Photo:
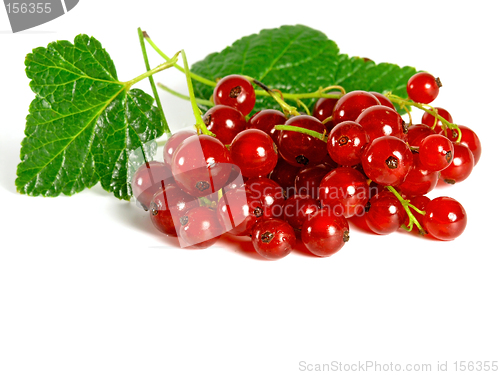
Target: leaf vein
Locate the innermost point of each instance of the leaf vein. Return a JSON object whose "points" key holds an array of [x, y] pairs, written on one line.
{"points": [[287, 47]]}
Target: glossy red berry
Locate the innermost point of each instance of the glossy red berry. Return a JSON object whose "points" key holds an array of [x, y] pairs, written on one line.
{"points": [[416, 133], [469, 138], [419, 180], [430, 120], [235, 180], [346, 142], [238, 211], [266, 120], [173, 142], [298, 208], [344, 191], [168, 206], [273, 238], [200, 228], [325, 233], [387, 160], [445, 218], [201, 165], [308, 180], [383, 99], [385, 213], [423, 87], [284, 174], [323, 108], [254, 152], [270, 194], [235, 91], [435, 152], [301, 149], [460, 167], [350, 106], [225, 122], [379, 120], [148, 179]]}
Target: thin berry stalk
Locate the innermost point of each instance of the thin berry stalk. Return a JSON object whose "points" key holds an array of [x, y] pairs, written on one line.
{"points": [[288, 110], [166, 129], [408, 207], [427, 108], [178, 67], [204, 102], [320, 93], [298, 129], [200, 124]]}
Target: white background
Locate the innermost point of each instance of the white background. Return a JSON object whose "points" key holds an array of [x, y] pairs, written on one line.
{"points": [[87, 286]]}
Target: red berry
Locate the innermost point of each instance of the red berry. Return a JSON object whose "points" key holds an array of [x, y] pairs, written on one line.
{"points": [[225, 122], [266, 120], [284, 174], [235, 180], [350, 106], [430, 120], [238, 211], [324, 233], [345, 191], [201, 165], [445, 218], [385, 213], [423, 87], [269, 192], [273, 238], [387, 160], [418, 181], [346, 142], [168, 206], [298, 208], [378, 120], [461, 166], [469, 138], [383, 99], [308, 180], [435, 152], [235, 91], [323, 108], [254, 152], [148, 179], [200, 228], [416, 133], [173, 142], [300, 149]]}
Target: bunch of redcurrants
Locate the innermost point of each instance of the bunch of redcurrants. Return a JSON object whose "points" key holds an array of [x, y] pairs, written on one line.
{"points": [[281, 179]]}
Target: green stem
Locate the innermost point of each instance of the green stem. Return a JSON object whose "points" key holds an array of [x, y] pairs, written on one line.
{"points": [[166, 129], [309, 95], [329, 118], [304, 107], [298, 129], [427, 108], [205, 202], [149, 73], [407, 205], [194, 76], [287, 109], [208, 82], [204, 102], [200, 124]]}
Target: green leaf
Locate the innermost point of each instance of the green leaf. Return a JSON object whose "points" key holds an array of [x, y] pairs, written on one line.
{"points": [[83, 123], [298, 59]]}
